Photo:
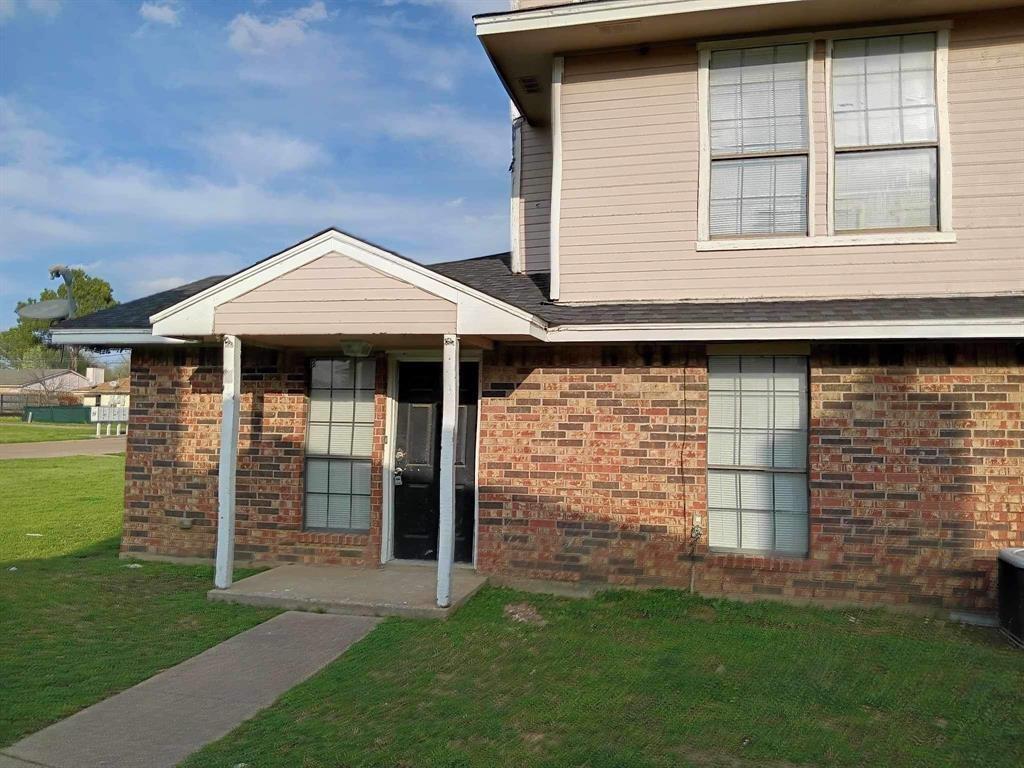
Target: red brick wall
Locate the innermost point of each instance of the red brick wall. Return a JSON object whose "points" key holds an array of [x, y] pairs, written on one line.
{"points": [[592, 470], [172, 454]]}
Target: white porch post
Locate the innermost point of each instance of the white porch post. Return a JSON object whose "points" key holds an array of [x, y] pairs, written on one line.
{"points": [[228, 462], [449, 428]]}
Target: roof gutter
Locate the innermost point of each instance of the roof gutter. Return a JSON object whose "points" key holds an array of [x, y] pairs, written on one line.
{"points": [[847, 330], [111, 337]]}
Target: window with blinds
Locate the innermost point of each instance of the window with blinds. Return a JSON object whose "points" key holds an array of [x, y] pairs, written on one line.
{"points": [[757, 454], [885, 133], [757, 109], [339, 441]]}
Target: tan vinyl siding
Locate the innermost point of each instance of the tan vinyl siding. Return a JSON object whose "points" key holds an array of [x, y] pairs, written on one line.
{"points": [[535, 194], [335, 294], [629, 190]]}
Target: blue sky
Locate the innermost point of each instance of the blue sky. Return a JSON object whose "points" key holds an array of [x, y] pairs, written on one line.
{"points": [[158, 142]]}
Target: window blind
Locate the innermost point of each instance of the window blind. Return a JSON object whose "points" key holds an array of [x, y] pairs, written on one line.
{"points": [[757, 453], [884, 95], [759, 139], [339, 442]]}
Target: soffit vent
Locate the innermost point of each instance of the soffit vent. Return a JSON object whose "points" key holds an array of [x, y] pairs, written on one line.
{"points": [[530, 84]]}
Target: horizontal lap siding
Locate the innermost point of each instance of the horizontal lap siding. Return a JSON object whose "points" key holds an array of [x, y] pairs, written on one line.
{"points": [[335, 294], [535, 195], [629, 184]]}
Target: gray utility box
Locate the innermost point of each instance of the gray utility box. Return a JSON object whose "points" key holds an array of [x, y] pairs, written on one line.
{"points": [[1011, 593]]}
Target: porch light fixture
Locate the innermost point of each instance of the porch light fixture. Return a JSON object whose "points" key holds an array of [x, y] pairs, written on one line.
{"points": [[356, 348]]}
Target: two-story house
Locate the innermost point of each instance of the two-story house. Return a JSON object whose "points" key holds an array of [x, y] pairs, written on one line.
{"points": [[759, 332]]}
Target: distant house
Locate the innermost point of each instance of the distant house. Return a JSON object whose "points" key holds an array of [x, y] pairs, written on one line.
{"points": [[112, 393], [22, 381]]}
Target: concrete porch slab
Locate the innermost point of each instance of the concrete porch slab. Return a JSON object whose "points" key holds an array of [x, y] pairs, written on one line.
{"points": [[407, 590]]}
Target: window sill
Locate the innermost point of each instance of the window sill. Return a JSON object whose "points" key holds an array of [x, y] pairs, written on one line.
{"points": [[826, 241]]}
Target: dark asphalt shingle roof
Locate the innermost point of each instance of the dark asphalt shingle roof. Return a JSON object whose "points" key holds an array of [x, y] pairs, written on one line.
{"points": [[135, 314], [492, 275]]}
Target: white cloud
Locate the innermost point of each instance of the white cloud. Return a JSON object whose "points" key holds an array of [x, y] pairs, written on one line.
{"points": [[255, 36], [49, 200], [486, 142], [49, 9], [20, 136], [261, 156], [437, 66], [160, 13]]}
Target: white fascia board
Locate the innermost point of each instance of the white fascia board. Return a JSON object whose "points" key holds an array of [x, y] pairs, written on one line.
{"points": [[195, 316], [604, 13], [110, 337], [994, 328]]}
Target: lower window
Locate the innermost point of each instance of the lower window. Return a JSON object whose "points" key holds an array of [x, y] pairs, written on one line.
{"points": [[338, 494], [757, 454]]}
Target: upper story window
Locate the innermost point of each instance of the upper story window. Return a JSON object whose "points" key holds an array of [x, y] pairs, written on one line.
{"points": [[885, 133], [879, 135], [759, 141]]}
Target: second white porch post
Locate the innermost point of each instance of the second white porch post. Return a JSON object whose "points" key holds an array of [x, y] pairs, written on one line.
{"points": [[228, 462], [449, 428]]}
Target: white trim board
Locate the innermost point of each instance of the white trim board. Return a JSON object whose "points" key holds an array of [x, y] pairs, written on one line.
{"points": [[555, 206], [995, 328], [111, 337], [478, 313], [825, 241], [607, 12]]}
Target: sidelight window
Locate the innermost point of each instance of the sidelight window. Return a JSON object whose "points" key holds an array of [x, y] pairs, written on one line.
{"points": [[339, 442]]}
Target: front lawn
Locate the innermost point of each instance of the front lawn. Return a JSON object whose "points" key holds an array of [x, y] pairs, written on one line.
{"points": [[76, 623], [14, 430], [649, 679]]}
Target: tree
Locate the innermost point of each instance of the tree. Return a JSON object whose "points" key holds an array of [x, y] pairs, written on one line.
{"points": [[22, 345]]}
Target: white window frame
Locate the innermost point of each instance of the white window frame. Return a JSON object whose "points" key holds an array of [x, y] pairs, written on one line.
{"points": [[945, 232], [704, 51], [770, 470], [329, 457], [944, 193]]}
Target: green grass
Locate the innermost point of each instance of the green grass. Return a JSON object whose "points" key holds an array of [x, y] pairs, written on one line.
{"points": [[649, 679], [76, 624], [14, 430]]}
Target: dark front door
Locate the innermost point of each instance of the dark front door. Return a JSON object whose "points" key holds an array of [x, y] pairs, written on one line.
{"points": [[418, 461]]}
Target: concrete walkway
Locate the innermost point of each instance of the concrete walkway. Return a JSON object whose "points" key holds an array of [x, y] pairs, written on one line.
{"points": [[161, 721], [52, 449]]}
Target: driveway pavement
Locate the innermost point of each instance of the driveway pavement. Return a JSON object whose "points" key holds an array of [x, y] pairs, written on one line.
{"points": [[161, 721], [87, 446]]}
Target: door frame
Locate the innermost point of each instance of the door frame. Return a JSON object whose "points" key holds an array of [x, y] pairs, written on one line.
{"points": [[387, 538]]}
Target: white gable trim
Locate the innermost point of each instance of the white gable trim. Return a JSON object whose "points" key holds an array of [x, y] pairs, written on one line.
{"points": [[477, 312]]}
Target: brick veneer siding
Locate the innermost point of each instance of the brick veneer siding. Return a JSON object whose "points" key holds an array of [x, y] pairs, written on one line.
{"points": [[592, 469], [172, 455]]}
